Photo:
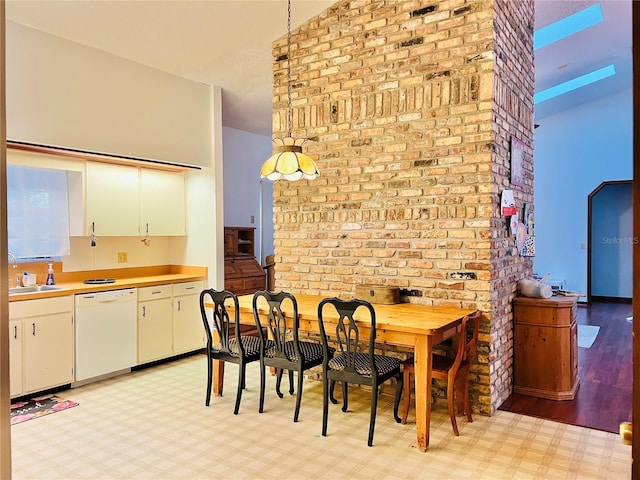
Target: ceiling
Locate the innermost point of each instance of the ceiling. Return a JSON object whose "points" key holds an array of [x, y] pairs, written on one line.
{"points": [[228, 44]]}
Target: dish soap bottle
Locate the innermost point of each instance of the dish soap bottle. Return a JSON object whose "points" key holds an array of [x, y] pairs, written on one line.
{"points": [[50, 279]]}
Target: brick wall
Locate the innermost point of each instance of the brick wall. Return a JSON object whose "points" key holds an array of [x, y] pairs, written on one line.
{"points": [[409, 108]]}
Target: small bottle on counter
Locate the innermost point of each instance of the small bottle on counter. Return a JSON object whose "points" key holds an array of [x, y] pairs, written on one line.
{"points": [[50, 279]]}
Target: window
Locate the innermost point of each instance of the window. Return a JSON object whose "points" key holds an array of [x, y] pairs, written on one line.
{"points": [[37, 211]]}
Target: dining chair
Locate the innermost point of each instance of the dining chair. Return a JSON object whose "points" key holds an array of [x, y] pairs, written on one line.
{"points": [[455, 371], [283, 350], [232, 346], [354, 362]]}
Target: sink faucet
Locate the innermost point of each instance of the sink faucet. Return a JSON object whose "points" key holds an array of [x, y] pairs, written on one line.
{"points": [[14, 260]]}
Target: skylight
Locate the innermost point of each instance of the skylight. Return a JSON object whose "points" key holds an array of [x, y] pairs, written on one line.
{"points": [[575, 83], [567, 26]]}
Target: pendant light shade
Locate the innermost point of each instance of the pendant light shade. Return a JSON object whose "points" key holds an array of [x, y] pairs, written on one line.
{"points": [[288, 162]]}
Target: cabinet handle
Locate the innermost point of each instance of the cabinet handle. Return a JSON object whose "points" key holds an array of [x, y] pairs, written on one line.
{"points": [[178, 305], [156, 292], [15, 332], [190, 288], [33, 329], [144, 311]]}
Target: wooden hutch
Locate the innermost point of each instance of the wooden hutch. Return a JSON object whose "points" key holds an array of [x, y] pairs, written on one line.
{"points": [[546, 347], [242, 272]]}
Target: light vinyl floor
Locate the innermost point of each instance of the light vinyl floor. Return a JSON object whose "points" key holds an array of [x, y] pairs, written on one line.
{"points": [[152, 424]]}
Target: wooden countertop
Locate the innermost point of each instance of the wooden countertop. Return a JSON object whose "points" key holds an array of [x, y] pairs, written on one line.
{"points": [[71, 283]]}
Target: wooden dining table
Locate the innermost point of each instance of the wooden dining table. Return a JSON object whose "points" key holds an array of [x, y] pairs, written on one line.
{"points": [[415, 326]]}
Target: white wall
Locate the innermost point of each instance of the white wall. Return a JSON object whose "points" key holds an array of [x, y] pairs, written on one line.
{"points": [[65, 94], [244, 154], [574, 152]]}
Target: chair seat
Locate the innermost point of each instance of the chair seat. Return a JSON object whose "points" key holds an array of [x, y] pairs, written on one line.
{"points": [[362, 366], [251, 346], [311, 351], [441, 363]]}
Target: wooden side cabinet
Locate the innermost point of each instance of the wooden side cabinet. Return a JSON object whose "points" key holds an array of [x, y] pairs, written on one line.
{"points": [[242, 272], [546, 347]]}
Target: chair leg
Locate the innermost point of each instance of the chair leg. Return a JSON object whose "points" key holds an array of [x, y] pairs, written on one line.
{"points": [[207, 399], [291, 382], [462, 395], [325, 403], [263, 381], [331, 395], [406, 373], [467, 406], [450, 400], [298, 396], [372, 420], [240, 387], [345, 396], [396, 403], [279, 373]]}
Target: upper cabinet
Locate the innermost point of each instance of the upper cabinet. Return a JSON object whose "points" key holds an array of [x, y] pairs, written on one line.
{"points": [[123, 200], [112, 200], [162, 203]]}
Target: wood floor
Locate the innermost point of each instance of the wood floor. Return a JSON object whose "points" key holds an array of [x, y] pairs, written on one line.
{"points": [[604, 397]]}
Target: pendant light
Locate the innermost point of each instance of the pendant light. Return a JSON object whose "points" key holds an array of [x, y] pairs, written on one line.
{"points": [[288, 162]]}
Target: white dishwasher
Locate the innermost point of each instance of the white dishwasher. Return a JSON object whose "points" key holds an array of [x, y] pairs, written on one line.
{"points": [[105, 333]]}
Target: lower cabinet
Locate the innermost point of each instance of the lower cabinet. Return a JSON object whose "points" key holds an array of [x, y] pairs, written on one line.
{"points": [[154, 323], [15, 358], [169, 321], [41, 345], [188, 329]]}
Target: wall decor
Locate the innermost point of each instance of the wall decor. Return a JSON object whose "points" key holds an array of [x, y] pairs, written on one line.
{"points": [[507, 204], [517, 157]]}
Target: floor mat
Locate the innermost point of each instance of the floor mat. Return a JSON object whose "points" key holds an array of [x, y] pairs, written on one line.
{"points": [[38, 407], [587, 335]]}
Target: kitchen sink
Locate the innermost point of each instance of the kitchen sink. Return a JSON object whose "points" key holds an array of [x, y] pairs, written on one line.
{"points": [[33, 289]]}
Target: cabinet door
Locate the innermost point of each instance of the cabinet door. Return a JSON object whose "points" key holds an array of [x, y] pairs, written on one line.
{"points": [[154, 330], [162, 203], [48, 355], [112, 200], [15, 358], [188, 329]]}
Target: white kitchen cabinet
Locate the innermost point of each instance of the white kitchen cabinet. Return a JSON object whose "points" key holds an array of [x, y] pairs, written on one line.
{"points": [[15, 358], [155, 323], [122, 200], [47, 344], [188, 329], [162, 202], [112, 200], [169, 320]]}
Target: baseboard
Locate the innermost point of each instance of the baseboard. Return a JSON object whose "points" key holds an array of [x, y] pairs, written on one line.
{"points": [[597, 298]]}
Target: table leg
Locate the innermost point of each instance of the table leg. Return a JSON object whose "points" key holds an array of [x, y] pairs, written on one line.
{"points": [[218, 377], [218, 370], [422, 367]]}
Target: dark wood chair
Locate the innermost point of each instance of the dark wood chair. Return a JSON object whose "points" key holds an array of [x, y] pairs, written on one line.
{"points": [[353, 362], [455, 371], [233, 346], [285, 351]]}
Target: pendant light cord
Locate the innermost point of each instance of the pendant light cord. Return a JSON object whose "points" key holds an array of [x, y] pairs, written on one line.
{"points": [[290, 111]]}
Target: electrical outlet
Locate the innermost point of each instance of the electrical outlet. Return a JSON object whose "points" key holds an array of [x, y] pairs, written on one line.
{"points": [[122, 257], [410, 293], [253, 219]]}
